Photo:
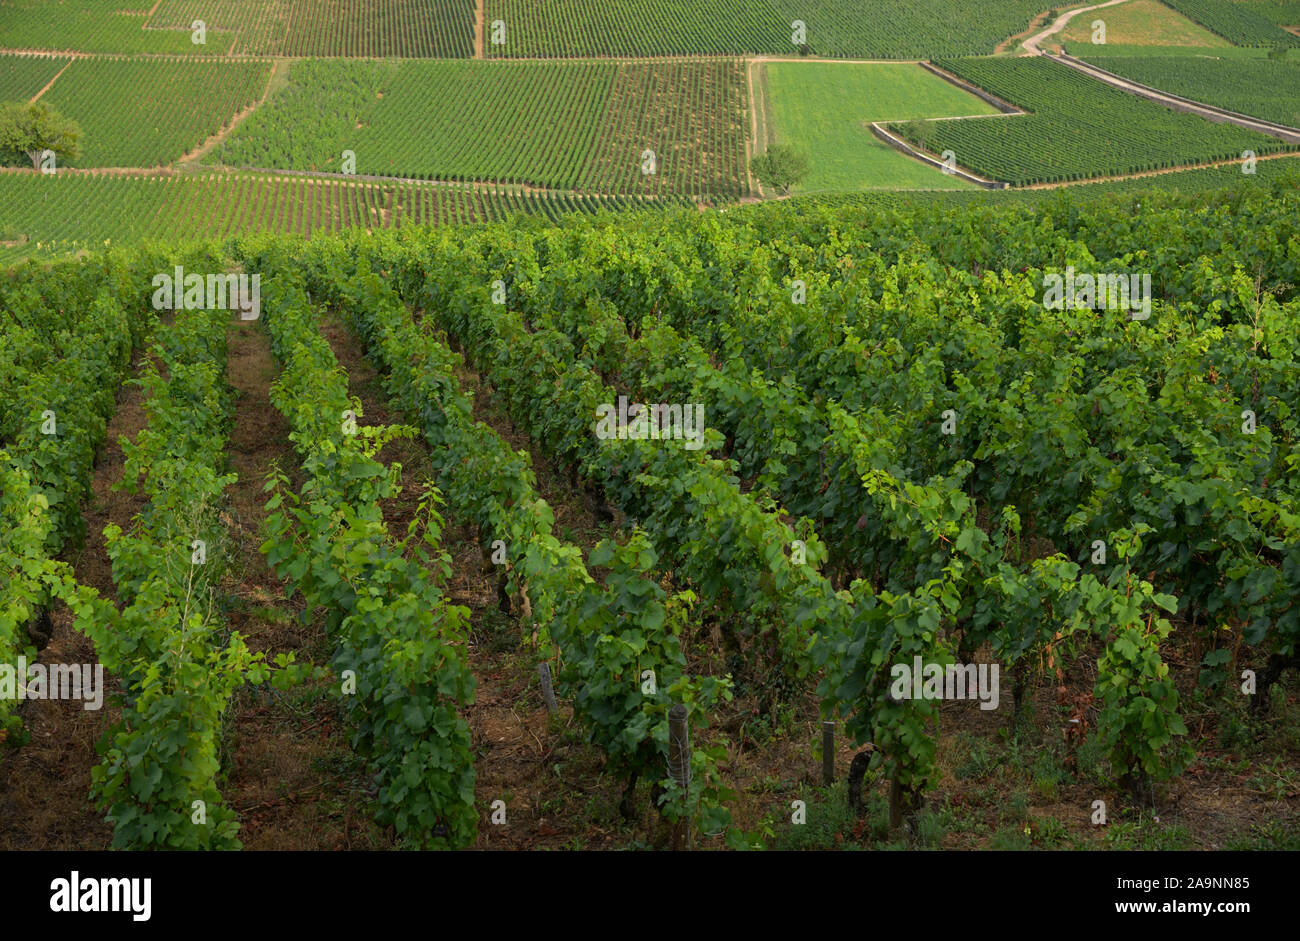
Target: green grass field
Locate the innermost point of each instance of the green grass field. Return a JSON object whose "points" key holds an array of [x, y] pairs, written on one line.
{"points": [[825, 109], [1141, 23]]}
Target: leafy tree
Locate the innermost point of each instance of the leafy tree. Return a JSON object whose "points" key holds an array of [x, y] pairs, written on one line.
{"points": [[914, 131], [780, 167], [28, 129]]}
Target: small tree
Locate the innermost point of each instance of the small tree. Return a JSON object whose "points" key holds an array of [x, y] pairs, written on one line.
{"points": [[915, 131], [27, 130], [780, 167]]}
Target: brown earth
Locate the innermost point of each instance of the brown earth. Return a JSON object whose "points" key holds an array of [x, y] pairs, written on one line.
{"points": [[46, 86], [479, 28], [1010, 42], [293, 778], [206, 147], [45, 785], [508, 726]]}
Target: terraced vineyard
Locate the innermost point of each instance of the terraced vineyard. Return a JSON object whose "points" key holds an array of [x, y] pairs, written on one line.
{"points": [[21, 77], [1261, 88], [50, 218], [583, 126], [1078, 128], [62, 369], [378, 28], [418, 28], [165, 638], [77, 212], [843, 531], [1236, 22], [422, 429], [892, 29], [237, 27], [1083, 50], [173, 105], [116, 26], [1278, 13], [1144, 190]]}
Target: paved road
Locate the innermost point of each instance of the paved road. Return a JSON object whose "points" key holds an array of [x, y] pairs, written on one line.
{"points": [[1209, 112], [1031, 44]]}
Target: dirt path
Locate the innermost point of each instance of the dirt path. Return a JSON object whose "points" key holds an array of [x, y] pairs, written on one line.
{"points": [[50, 82], [759, 124], [504, 741], [174, 56], [367, 178], [806, 59], [203, 149], [507, 737], [557, 792], [293, 778], [561, 795], [51, 53], [1160, 172], [45, 785], [1177, 103], [1009, 43], [1032, 43], [759, 129], [1151, 94], [323, 175], [479, 28]]}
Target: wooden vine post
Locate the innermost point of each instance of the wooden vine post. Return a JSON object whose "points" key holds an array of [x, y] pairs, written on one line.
{"points": [[679, 767], [548, 691], [828, 753]]}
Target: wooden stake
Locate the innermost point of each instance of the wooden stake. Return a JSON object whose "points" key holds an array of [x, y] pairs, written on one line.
{"points": [[548, 692], [828, 753], [679, 766]]}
